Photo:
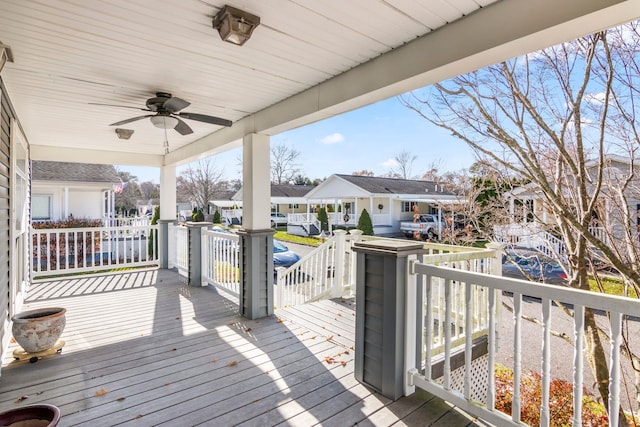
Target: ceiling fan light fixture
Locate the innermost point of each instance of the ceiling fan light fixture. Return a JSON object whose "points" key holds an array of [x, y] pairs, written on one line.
{"points": [[235, 25], [164, 122]]}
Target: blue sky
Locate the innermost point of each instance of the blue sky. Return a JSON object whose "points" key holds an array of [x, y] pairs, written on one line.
{"points": [[367, 138]]}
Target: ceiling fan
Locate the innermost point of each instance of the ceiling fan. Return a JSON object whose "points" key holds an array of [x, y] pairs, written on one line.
{"points": [[167, 116]]}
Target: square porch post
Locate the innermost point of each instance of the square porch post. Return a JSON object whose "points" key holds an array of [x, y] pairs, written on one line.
{"points": [[167, 212], [256, 237]]}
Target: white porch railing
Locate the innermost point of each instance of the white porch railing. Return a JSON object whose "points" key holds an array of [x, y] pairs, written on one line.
{"points": [[420, 335], [178, 249], [139, 221], [71, 250], [328, 271], [220, 260]]}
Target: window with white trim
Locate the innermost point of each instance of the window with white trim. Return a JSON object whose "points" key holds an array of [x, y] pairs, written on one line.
{"points": [[41, 207]]}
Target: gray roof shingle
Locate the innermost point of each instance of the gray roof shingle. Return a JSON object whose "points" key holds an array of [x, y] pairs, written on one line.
{"points": [[379, 185], [44, 170]]}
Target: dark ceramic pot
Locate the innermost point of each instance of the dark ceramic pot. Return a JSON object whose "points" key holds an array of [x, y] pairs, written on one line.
{"points": [[38, 330], [42, 415]]}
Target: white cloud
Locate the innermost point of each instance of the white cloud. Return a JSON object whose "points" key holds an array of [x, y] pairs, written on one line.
{"points": [[334, 138], [389, 164]]}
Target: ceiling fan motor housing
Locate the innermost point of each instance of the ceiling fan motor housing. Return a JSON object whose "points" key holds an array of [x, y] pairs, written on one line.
{"points": [[156, 104]]}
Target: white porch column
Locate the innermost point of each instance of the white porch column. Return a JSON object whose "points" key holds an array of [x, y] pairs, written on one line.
{"points": [[168, 192], [256, 236], [167, 211], [256, 182]]}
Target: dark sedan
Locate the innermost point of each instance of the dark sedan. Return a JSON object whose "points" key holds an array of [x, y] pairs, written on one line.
{"points": [[532, 265]]}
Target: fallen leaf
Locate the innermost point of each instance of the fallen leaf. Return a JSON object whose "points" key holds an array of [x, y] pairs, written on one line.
{"points": [[313, 337], [346, 352], [137, 417], [13, 340], [266, 372], [214, 360], [101, 392], [279, 320], [167, 384], [343, 363], [120, 399], [177, 318], [232, 363], [329, 360], [248, 330], [21, 398], [329, 338]]}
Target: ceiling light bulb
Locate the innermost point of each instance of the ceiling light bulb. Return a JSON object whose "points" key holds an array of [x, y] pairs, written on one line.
{"points": [[164, 122]]}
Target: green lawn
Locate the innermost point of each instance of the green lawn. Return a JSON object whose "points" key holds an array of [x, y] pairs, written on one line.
{"points": [[611, 286], [286, 237]]}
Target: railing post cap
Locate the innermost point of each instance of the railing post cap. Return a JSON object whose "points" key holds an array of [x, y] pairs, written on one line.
{"points": [[340, 232], [355, 232]]}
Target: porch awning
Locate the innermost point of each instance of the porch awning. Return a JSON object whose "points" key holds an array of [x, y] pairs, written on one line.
{"points": [[225, 203], [455, 201]]}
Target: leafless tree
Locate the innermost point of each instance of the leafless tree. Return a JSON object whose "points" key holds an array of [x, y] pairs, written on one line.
{"points": [[554, 118], [199, 182], [363, 172], [284, 166], [150, 190], [403, 164]]}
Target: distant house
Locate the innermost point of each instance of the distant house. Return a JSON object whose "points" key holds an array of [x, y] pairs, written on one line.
{"points": [[230, 209], [530, 219], [285, 199], [389, 201], [62, 189]]}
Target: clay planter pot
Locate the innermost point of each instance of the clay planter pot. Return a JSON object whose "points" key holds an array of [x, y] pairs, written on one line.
{"points": [[41, 415], [38, 330]]}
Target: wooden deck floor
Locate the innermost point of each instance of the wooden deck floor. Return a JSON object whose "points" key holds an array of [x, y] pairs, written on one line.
{"points": [[144, 349]]}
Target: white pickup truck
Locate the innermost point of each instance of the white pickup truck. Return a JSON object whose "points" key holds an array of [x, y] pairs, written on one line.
{"points": [[428, 227]]}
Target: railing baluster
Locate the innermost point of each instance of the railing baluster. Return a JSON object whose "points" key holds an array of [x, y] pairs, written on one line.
{"points": [[614, 368], [468, 339], [545, 418], [517, 355], [428, 330], [578, 333], [448, 323], [491, 356]]}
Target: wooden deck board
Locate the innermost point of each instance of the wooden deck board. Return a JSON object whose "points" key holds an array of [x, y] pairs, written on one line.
{"points": [[144, 349]]}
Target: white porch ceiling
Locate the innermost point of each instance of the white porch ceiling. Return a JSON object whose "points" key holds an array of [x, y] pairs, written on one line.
{"points": [[308, 60]]}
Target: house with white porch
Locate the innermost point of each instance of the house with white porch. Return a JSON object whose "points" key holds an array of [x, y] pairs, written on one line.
{"points": [[71, 76], [61, 190], [389, 201], [530, 220]]}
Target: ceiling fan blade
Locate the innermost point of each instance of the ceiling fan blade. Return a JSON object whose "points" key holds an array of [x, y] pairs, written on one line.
{"points": [[207, 119], [175, 104], [133, 119], [182, 128], [119, 106]]}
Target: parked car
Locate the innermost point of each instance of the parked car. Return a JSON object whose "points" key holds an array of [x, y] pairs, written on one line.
{"points": [[282, 256], [278, 219], [426, 226], [529, 264]]}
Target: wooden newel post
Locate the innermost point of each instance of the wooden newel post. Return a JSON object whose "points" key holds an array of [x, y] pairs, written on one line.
{"points": [[381, 283]]}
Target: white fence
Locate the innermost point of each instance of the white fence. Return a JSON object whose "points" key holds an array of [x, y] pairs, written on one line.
{"points": [[139, 221], [328, 271], [467, 284], [178, 256], [220, 260], [70, 250]]}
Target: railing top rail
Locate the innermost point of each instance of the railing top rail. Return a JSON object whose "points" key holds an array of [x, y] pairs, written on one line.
{"points": [[221, 234], [100, 228], [458, 256], [594, 300]]}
